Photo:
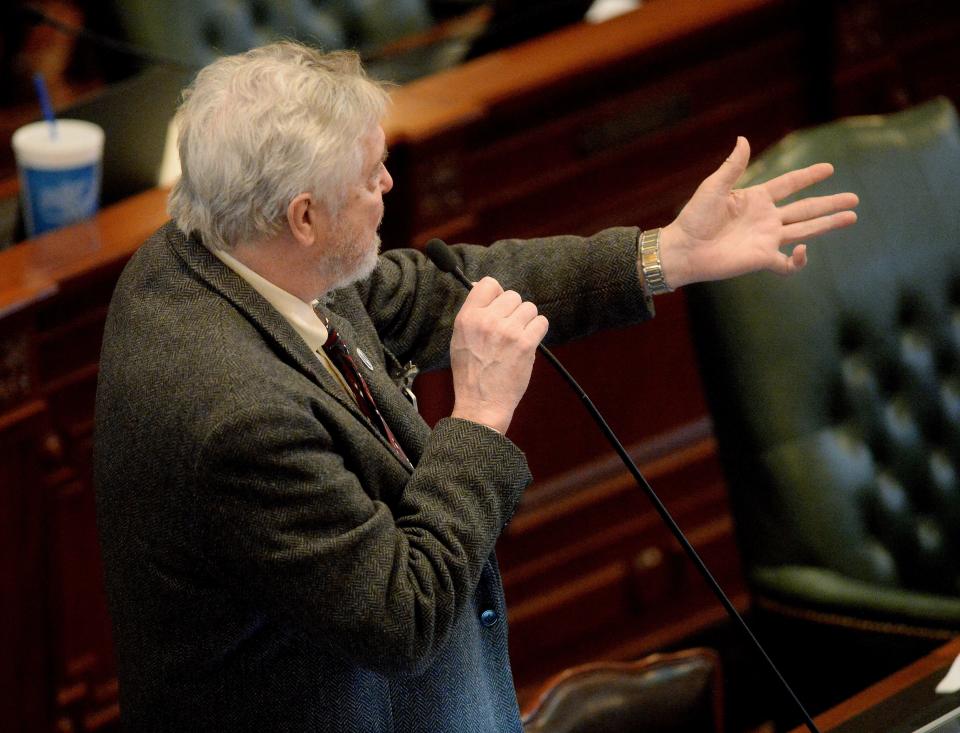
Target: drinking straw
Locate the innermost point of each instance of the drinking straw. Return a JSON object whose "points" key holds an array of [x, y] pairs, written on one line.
{"points": [[44, 96]]}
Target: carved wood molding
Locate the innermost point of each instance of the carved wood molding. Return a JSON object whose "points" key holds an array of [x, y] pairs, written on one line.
{"points": [[16, 380]]}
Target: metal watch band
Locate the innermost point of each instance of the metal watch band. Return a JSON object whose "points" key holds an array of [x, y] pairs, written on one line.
{"points": [[650, 263]]}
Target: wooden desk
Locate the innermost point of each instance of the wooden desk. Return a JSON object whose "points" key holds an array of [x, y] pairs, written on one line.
{"points": [[939, 660], [592, 126]]}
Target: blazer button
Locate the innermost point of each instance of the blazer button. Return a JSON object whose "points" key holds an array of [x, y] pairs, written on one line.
{"points": [[489, 617]]}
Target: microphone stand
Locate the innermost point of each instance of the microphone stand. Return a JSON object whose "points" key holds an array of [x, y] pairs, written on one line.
{"points": [[442, 257]]}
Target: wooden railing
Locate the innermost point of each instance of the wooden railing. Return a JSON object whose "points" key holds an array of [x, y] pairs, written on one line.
{"points": [[591, 126]]}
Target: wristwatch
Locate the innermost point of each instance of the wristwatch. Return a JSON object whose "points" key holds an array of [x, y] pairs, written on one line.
{"points": [[650, 266]]}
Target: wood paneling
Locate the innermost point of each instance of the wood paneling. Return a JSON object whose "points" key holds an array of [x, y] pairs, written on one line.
{"points": [[588, 127]]}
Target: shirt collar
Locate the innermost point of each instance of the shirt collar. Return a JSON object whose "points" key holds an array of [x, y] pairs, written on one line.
{"points": [[299, 314]]}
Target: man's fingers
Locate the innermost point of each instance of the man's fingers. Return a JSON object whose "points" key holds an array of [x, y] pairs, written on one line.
{"points": [[524, 313], [811, 208], [814, 227], [533, 326], [729, 172], [483, 292], [787, 264], [537, 328], [798, 258], [505, 304], [789, 183]]}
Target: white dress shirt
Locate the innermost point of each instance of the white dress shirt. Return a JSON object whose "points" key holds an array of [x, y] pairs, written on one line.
{"points": [[300, 315]]}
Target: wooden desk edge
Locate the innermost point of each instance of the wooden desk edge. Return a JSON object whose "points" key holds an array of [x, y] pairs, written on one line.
{"points": [[35, 269], [457, 96], [941, 658]]}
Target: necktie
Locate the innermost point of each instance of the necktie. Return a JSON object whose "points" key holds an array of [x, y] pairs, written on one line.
{"points": [[338, 352]]}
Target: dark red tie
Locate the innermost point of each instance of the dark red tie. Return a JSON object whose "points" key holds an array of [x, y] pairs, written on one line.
{"points": [[338, 352]]}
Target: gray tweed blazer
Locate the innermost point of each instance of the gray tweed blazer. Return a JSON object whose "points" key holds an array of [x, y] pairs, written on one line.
{"points": [[270, 565]]}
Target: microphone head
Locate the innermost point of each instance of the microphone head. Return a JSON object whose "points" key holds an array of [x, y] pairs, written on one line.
{"points": [[441, 255]]}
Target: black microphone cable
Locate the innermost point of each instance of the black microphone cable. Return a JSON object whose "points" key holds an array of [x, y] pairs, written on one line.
{"points": [[441, 256]]}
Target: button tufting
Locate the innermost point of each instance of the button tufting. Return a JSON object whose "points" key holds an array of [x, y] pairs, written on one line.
{"points": [[917, 354], [950, 398], [212, 34], [929, 536], [890, 494], [872, 561], [852, 422], [901, 425], [260, 13], [943, 473]]}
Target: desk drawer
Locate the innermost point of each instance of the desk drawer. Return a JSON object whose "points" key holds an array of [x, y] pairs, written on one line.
{"points": [[590, 570]]}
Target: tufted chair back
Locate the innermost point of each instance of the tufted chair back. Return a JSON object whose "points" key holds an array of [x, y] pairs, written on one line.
{"points": [[198, 31], [680, 692], [836, 393]]}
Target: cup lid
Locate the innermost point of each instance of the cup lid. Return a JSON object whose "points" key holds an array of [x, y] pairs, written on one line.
{"points": [[77, 143]]}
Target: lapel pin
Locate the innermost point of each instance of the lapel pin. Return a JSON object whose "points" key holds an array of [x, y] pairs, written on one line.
{"points": [[365, 359]]}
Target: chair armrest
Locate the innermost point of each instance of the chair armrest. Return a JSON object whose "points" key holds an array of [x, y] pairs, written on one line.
{"points": [[828, 593]]}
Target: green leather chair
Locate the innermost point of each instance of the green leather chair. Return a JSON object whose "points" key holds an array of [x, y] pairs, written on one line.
{"points": [[836, 401], [197, 31]]}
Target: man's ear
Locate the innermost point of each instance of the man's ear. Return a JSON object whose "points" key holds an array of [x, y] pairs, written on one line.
{"points": [[306, 216]]}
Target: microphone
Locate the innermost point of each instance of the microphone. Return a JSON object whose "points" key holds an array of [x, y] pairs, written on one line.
{"points": [[442, 256]]}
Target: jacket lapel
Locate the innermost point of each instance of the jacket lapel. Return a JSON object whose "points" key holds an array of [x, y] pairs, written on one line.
{"points": [[274, 327]]}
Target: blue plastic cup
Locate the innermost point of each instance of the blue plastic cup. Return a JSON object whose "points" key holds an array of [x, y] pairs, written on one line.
{"points": [[59, 174]]}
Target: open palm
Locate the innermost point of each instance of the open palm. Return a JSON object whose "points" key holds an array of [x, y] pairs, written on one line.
{"points": [[723, 232]]}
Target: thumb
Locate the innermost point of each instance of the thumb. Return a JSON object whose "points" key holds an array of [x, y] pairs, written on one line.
{"points": [[734, 166]]}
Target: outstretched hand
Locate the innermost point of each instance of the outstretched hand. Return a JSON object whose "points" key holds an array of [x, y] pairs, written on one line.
{"points": [[723, 232]]}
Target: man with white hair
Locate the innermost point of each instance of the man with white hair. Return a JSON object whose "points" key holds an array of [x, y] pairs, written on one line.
{"points": [[288, 546]]}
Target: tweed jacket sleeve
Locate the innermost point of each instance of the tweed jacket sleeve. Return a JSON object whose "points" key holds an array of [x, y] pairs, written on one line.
{"points": [[381, 578], [581, 284]]}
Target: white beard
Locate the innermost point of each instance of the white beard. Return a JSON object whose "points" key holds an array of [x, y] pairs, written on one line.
{"points": [[351, 264]]}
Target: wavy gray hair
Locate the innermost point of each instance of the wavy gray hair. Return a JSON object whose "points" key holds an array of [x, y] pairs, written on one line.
{"points": [[261, 127]]}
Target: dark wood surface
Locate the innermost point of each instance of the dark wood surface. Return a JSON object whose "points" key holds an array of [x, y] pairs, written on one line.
{"points": [[589, 127], [939, 660], [54, 292]]}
